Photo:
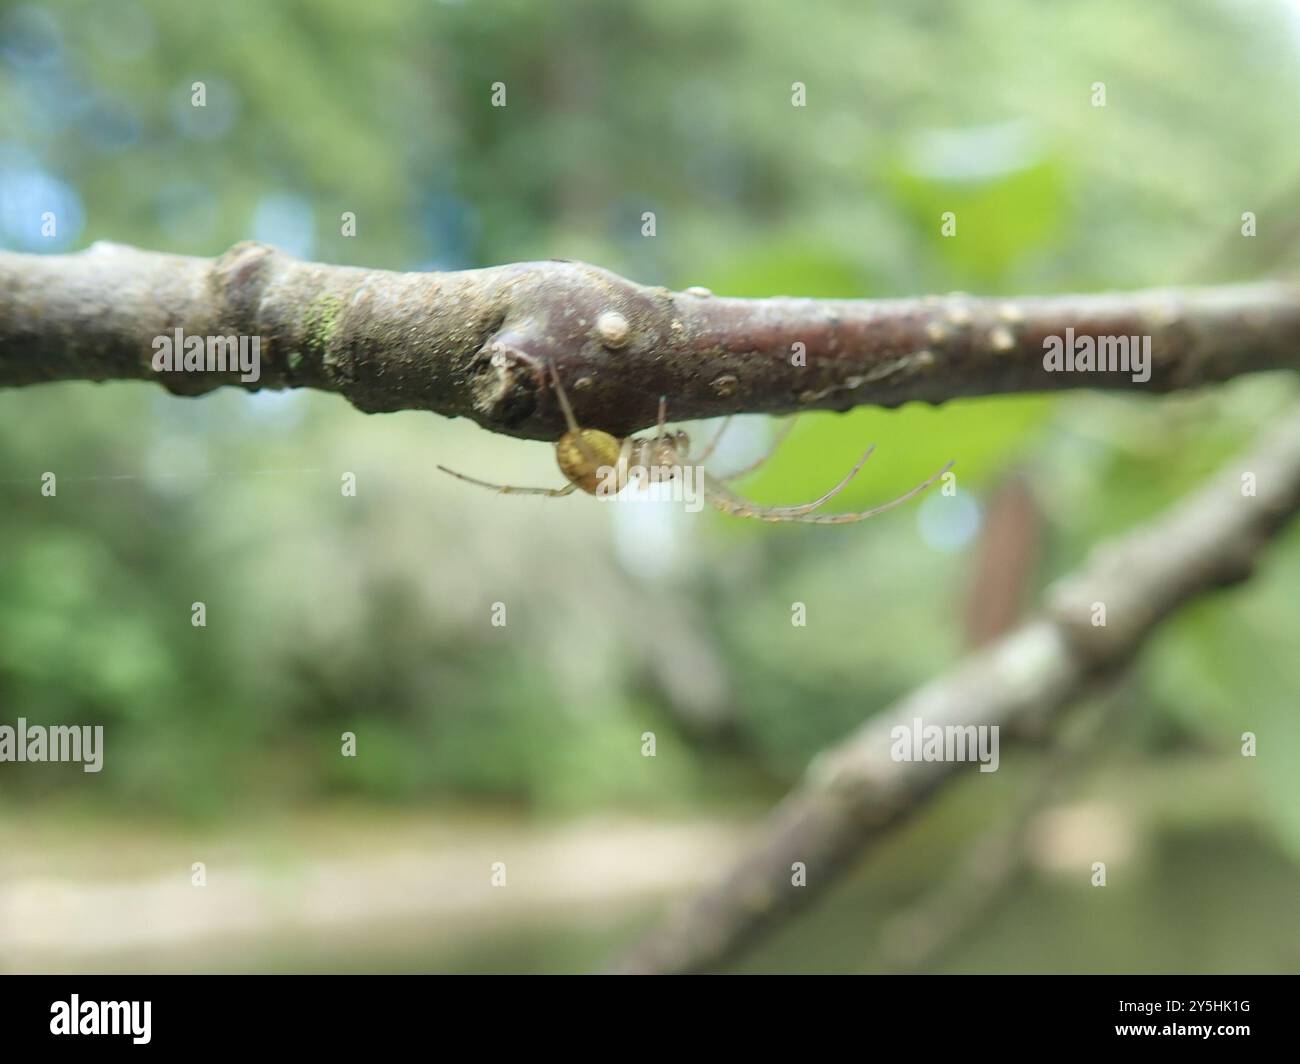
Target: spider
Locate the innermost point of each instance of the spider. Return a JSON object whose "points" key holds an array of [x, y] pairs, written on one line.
{"points": [[601, 464]]}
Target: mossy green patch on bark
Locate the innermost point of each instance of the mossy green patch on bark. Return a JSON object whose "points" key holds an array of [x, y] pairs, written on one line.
{"points": [[319, 324]]}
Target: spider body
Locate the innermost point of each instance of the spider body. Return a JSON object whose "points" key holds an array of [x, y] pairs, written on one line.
{"points": [[598, 463], [582, 453], [603, 465]]}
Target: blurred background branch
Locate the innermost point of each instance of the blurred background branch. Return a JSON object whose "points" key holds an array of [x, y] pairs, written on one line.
{"points": [[855, 793], [918, 936]]}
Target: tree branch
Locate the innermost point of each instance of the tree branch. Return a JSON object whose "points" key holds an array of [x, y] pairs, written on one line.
{"points": [[916, 937], [854, 793], [474, 343]]}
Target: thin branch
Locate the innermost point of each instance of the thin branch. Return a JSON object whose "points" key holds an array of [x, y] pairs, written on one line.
{"points": [[855, 793], [473, 343]]}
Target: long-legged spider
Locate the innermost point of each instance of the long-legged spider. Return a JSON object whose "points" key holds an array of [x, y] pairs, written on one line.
{"points": [[601, 464]]}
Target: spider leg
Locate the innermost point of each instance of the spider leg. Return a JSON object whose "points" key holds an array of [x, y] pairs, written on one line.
{"points": [[781, 513], [723, 499], [569, 419], [509, 489], [703, 456], [625, 476], [780, 439]]}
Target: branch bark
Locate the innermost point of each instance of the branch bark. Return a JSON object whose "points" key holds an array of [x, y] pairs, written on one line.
{"points": [[855, 793], [474, 343]]}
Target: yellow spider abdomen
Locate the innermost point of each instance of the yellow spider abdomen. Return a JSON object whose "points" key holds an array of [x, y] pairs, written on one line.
{"points": [[583, 454]]}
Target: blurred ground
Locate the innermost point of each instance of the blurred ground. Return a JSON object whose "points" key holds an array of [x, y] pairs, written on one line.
{"points": [[329, 884]]}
